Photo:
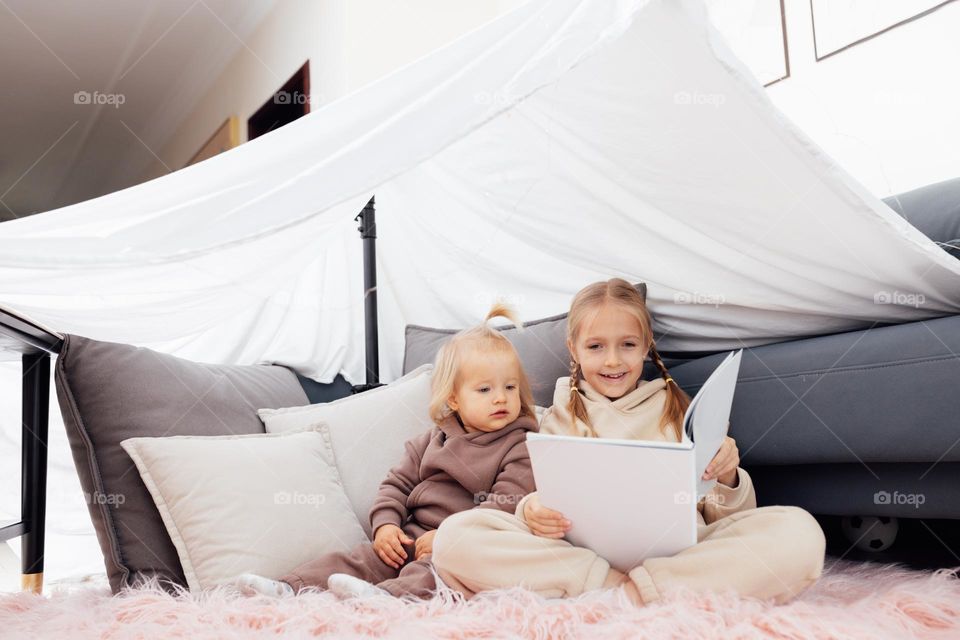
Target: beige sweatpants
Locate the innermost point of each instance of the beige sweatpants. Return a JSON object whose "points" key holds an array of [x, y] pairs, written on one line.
{"points": [[769, 552]]}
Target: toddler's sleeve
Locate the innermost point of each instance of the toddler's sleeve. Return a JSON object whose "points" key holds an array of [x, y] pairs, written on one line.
{"points": [[513, 482], [390, 506]]}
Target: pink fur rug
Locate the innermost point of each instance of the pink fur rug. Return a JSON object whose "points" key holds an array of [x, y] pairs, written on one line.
{"points": [[851, 600]]}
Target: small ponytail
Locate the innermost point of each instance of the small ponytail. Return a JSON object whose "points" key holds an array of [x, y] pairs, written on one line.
{"points": [[500, 310]]}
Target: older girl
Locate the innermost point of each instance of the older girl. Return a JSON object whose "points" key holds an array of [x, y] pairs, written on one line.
{"points": [[770, 552]]}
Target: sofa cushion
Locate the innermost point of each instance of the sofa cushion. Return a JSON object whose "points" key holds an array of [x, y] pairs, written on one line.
{"points": [[256, 503], [111, 392], [542, 347]]}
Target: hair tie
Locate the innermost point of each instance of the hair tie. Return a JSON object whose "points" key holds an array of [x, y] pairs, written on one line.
{"points": [[669, 379]]}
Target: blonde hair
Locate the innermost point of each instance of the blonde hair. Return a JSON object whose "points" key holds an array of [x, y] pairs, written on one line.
{"points": [[620, 292], [447, 367]]}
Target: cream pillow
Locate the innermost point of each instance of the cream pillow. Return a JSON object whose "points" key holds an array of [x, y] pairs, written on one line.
{"points": [[367, 432], [257, 503]]}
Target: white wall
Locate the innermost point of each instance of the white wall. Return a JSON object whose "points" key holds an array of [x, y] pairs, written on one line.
{"points": [[886, 109], [383, 36], [349, 43], [286, 38]]}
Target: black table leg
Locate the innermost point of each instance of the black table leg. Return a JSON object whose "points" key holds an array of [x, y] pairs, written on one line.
{"points": [[33, 487]]}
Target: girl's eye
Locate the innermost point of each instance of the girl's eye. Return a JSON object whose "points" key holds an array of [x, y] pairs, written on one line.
{"points": [[511, 387], [629, 344], [593, 347], [483, 389]]}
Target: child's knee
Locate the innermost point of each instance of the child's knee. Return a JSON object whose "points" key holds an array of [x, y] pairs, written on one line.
{"points": [[455, 531], [468, 535], [802, 538]]}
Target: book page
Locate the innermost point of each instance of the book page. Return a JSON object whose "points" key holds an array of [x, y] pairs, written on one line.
{"points": [[710, 416]]}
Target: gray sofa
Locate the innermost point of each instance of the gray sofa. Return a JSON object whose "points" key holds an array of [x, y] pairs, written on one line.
{"points": [[865, 422], [859, 423]]}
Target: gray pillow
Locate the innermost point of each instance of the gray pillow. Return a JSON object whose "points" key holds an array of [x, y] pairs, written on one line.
{"points": [[110, 392], [542, 348]]}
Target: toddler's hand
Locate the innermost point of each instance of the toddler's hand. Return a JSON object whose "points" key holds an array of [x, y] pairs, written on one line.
{"points": [[388, 542], [544, 522], [724, 465], [424, 544]]}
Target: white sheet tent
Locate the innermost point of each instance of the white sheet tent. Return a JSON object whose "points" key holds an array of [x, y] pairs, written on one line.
{"points": [[565, 142]]}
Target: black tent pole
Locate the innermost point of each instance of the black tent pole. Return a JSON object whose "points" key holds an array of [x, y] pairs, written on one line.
{"points": [[368, 232]]}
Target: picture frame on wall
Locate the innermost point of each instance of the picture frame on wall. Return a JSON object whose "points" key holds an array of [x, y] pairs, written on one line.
{"points": [[841, 24], [756, 30]]}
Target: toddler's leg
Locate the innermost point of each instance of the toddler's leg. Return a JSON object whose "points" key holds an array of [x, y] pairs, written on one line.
{"points": [[770, 552], [485, 549], [361, 562], [415, 579], [252, 584]]}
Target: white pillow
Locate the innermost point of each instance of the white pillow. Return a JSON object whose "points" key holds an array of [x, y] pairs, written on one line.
{"points": [[367, 432], [256, 503]]}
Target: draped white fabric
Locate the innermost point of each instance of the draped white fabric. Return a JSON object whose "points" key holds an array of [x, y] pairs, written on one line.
{"points": [[565, 142]]}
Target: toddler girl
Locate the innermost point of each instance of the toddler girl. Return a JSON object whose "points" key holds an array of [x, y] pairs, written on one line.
{"points": [[475, 458]]}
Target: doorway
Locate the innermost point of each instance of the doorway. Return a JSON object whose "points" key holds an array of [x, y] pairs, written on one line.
{"points": [[289, 102]]}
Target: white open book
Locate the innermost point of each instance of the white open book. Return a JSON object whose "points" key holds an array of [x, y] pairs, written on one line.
{"points": [[629, 500]]}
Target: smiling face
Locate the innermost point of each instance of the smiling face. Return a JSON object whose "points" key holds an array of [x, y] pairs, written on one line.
{"points": [[487, 393], [610, 349]]}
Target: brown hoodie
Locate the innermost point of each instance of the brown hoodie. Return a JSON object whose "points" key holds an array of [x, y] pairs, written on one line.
{"points": [[636, 416], [447, 470]]}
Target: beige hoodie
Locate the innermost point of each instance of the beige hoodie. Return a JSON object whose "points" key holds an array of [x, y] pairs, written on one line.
{"points": [[636, 416]]}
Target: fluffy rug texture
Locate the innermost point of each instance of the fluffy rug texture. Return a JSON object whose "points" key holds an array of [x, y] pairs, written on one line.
{"points": [[851, 600]]}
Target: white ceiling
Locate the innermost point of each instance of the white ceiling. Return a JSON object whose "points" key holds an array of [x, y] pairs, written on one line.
{"points": [[159, 55]]}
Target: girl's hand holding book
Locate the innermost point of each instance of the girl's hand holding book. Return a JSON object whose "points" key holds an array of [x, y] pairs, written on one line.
{"points": [[544, 522], [724, 465]]}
